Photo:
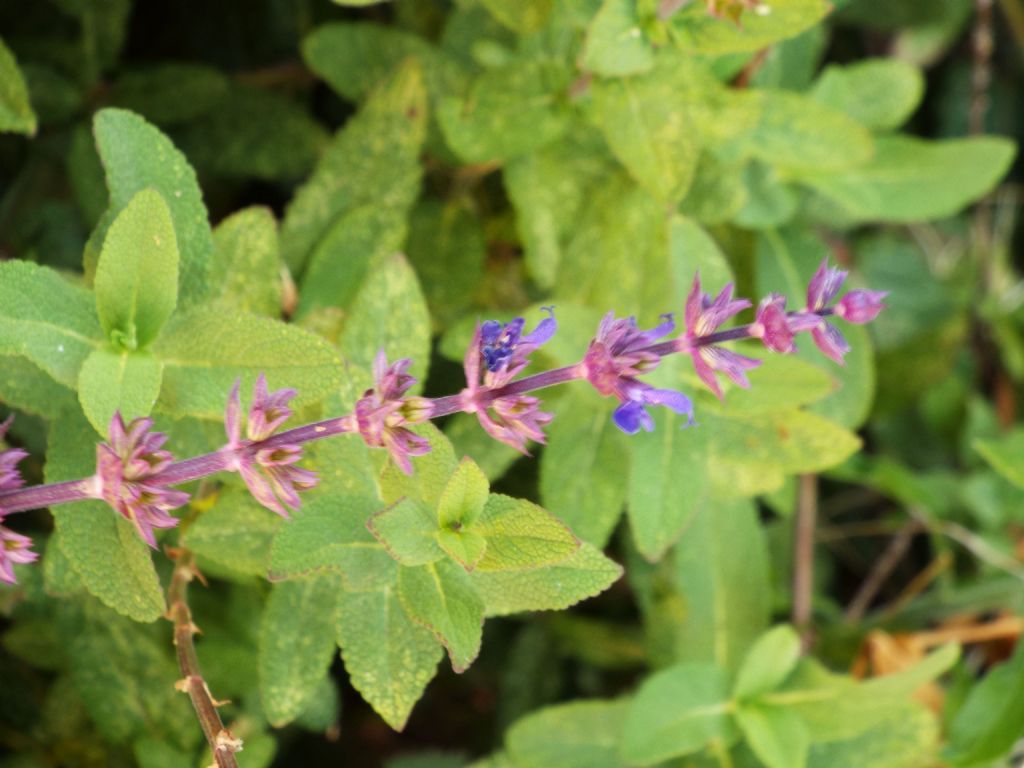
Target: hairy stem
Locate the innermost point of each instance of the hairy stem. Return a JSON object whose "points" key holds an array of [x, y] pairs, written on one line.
{"points": [[222, 743], [198, 467]]}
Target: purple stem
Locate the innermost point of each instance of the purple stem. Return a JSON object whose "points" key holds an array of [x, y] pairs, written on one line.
{"points": [[208, 464]]}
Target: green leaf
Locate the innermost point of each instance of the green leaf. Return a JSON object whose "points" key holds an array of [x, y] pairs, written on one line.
{"points": [[135, 155], [523, 17], [48, 319], [777, 736], [373, 160], [907, 738], [1005, 454], [878, 93], [694, 29], [583, 574], [389, 313], [464, 496], [136, 278], [329, 532], [615, 44], [584, 469], [235, 533], [911, 179], [548, 189], [246, 268], [509, 111], [768, 663], [578, 734], [446, 246], [834, 707], [353, 58], [389, 658], [205, 350], [992, 718], [362, 238], [25, 387], [521, 536], [408, 531], [795, 132], [433, 470], [254, 133], [118, 381], [103, 548], [667, 485], [676, 712], [123, 673], [647, 123], [467, 548], [171, 93], [296, 645], [441, 597], [721, 572], [16, 113]]}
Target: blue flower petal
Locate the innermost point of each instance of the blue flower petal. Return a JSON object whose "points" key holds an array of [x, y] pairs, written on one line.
{"points": [[631, 416]]}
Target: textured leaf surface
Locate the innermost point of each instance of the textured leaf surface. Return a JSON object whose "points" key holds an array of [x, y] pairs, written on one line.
{"points": [[118, 381], [509, 111], [464, 496], [648, 127], [104, 549], [135, 156], [521, 536], [246, 267], [583, 574], [615, 44], [909, 738], [373, 159], [136, 280], [16, 113], [24, 386], [236, 533], [390, 313], [676, 712], [912, 180], [329, 532], [389, 658], [408, 531], [296, 644], [696, 30], [48, 319], [579, 734], [441, 597], [878, 93], [584, 469], [205, 350]]}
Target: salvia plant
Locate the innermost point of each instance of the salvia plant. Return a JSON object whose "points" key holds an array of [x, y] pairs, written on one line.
{"points": [[465, 369]]}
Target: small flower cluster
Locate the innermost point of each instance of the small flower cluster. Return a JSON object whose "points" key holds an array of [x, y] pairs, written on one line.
{"points": [[14, 548], [133, 476]]}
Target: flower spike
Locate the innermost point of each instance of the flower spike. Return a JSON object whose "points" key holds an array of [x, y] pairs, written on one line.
{"points": [[614, 360], [128, 469], [383, 413], [14, 548], [269, 473], [504, 352]]}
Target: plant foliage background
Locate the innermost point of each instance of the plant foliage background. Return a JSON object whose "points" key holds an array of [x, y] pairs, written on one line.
{"points": [[341, 179]]}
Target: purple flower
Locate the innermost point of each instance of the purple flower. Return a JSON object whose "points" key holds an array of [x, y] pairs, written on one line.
{"points": [[382, 413], [504, 351], [861, 306], [855, 307], [269, 472], [127, 477], [776, 327], [615, 358], [10, 478], [704, 315], [14, 548]]}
